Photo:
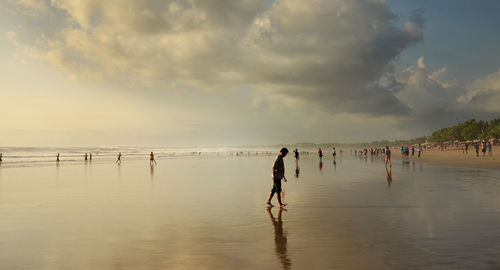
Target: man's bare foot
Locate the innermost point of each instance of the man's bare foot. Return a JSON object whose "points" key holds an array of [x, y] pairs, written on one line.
{"points": [[269, 203], [283, 205]]}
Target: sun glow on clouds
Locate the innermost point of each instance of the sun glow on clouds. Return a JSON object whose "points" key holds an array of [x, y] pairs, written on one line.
{"points": [[304, 63]]}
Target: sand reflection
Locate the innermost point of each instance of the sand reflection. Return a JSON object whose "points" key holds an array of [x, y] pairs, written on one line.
{"points": [[280, 239]]}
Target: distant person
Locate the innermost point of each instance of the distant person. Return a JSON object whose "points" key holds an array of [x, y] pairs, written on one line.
{"points": [[419, 149], [490, 151], [90, 156], [320, 154], [466, 148], [57, 158], [413, 151], [296, 152], [152, 159], [483, 144], [334, 152], [86, 157], [1, 157], [388, 156], [278, 174], [119, 158], [476, 147]]}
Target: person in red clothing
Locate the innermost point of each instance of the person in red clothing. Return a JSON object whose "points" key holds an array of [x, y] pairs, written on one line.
{"points": [[320, 154]]}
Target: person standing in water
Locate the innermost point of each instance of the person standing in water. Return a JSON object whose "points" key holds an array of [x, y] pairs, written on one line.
{"points": [[278, 174], [334, 154], [119, 158], [388, 156], [320, 154], [57, 158], [90, 156], [152, 159], [86, 157], [296, 152]]}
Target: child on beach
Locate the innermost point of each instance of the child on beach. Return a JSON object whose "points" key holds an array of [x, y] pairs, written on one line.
{"points": [[278, 174]]}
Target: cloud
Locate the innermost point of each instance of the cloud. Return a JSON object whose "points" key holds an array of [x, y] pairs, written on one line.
{"points": [[328, 55], [483, 94], [33, 8]]}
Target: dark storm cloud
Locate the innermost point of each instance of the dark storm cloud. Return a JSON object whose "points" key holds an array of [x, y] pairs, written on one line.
{"points": [[329, 54]]}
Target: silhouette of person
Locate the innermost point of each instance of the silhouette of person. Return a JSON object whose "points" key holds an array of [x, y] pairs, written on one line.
{"points": [[278, 174], [57, 158], [119, 158], [280, 239], [152, 159]]}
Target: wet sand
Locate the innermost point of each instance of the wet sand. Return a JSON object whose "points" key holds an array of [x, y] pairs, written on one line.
{"points": [[455, 157], [210, 213]]}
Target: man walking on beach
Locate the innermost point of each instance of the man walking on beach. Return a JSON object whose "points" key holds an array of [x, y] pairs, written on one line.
{"points": [[278, 174], [476, 147]]}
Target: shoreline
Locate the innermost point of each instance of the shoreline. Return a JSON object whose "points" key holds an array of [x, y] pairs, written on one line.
{"points": [[455, 157]]}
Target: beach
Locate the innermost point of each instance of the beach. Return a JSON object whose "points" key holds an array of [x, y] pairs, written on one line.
{"points": [[207, 212], [454, 157]]}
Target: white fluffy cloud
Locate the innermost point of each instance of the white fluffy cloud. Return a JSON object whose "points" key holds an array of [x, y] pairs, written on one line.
{"points": [[484, 94]]}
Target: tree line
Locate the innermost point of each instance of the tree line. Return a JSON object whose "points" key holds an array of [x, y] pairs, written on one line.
{"points": [[468, 130]]}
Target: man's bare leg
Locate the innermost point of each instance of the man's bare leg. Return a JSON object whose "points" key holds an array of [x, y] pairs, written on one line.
{"points": [[269, 199], [279, 200]]}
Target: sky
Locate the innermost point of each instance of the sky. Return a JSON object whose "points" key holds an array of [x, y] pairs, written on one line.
{"points": [[250, 72]]}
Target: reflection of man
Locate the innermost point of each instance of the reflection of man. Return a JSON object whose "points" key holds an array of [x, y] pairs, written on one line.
{"points": [[388, 176], [280, 240]]}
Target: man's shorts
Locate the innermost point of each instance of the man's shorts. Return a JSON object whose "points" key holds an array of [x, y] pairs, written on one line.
{"points": [[276, 186]]}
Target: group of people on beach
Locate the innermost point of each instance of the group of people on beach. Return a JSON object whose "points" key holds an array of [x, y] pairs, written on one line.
{"points": [[87, 157], [484, 145], [405, 151]]}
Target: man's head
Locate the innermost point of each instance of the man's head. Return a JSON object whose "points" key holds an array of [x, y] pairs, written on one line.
{"points": [[386, 147], [284, 152]]}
